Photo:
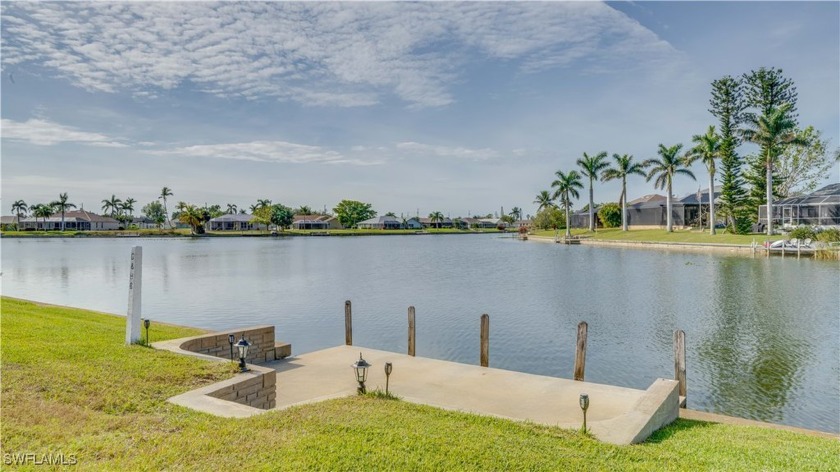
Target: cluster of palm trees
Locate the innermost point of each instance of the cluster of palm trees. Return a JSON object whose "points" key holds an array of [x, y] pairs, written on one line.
{"points": [[663, 169], [120, 210], [43, 210]]}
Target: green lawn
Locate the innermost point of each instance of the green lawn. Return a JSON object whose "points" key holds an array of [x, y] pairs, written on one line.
{"points": [[186, 232], [70, 386], [660, 235]]}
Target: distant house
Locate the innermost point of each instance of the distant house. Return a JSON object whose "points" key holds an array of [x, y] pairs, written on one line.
{"points": [[176, 224], [413, 223], [381, 222], [427, 223], [141, 222], [580, 219], [8, 222], [650, 211], [489, 223], [232, 222], [319, 222], [820, 208], [76, 220]]}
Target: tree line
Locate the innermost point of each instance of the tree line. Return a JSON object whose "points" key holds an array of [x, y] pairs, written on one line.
{"points": [[756, 108]]}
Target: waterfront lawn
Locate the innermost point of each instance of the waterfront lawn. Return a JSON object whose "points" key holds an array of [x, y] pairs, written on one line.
{"points": [[660, 235], [70, 386]]}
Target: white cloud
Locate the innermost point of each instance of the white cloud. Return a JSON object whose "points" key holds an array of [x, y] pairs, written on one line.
{"points": [[46, 133], [265, 151], [457, 152], [323, 54]]}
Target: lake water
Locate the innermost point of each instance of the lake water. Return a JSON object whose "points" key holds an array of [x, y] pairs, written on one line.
{"points": [[762, 334]]}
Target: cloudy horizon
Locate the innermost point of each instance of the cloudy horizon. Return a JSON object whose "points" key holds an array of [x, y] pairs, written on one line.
{"points": [[415, 107]]}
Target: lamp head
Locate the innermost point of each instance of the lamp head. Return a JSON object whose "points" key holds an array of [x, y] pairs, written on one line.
{"points": [[388, 368], [584, 401], [243, 346], [147, 322], [361, 366]]}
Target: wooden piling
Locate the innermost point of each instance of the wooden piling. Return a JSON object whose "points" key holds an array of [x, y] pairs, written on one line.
{"points": [[580, 351], [679, 360], [411, 331], [348, 323], [485, 340]]}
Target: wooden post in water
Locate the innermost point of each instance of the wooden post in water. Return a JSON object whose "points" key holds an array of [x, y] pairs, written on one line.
{"points": [[580, 351], [679, 360], [411, 331], [485, 340], [348, 323]]}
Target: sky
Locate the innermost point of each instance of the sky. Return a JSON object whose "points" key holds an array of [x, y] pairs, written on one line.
{"points": [[462, 108]]}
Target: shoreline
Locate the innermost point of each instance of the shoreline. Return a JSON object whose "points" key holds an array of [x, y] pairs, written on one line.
{"points": [[135, 235], [659, 245]]}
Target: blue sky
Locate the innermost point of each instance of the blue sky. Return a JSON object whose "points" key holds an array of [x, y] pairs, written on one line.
{"points": [[453, 107]]}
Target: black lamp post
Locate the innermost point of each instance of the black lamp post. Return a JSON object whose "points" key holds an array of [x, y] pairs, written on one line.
{"points": [[147, 322], [584, 405], [361, 367], [231, 340], [243, 346], [388, 369]]}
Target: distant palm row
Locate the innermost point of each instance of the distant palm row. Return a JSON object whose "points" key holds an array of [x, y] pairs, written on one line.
{"points": [[771, 124]]}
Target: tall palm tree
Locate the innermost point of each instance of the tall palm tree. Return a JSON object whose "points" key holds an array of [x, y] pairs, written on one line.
{"points": [[304, 210], [436, 217], [166, 192], [192, 216], [62, 205], [623, 168], [592, 166], [669, 164], [112, 206], [19, 208], [42, 210], [773, 132], [128, 206], [263, 202], [516, 213], [544, 201], [707, 149], [231, 209], [567, 185]]}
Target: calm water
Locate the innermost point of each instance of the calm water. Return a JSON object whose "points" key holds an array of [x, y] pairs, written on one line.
{"points": [[762, 334]]}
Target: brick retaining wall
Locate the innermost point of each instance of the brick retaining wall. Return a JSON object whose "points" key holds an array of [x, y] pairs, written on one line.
{"points": [[263, 346], [258, 391]]}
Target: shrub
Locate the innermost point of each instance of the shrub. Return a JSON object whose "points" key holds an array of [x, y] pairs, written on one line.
{"points": [[830, 235], [803, 232], [610, 215], [550, 218]]}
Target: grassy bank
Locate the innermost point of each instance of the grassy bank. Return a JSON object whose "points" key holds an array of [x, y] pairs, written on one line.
{"points": [[660, 235], [70, 386]]}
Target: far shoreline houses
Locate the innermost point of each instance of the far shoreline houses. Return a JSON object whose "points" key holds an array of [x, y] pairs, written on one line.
{"points": [[820, 208]]}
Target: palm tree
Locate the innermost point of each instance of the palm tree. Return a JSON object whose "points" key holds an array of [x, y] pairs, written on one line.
{"points": [[44, 211], [166, 192], [544, 201], [707, 149], [516, 213], [773, 132], [62, 205], [261, 203], [112, 206], [669, 164], [19, 208], [128, 206], [304, 210], [567, 185], [231, 209], [624, 167], [436, 217], [192, 216], [592, 166]]}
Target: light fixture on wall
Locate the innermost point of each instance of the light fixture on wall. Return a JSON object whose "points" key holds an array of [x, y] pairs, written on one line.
{"points": [[243, 346]]}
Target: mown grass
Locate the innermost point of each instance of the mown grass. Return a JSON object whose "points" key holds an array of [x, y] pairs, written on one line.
{"points": [[71, 386], [660, 235]]}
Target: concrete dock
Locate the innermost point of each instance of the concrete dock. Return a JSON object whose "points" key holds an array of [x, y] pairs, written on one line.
{"points": [[616, 414]]}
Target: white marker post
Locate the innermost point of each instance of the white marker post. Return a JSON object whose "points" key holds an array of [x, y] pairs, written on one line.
{"points": [[135, 283]]}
